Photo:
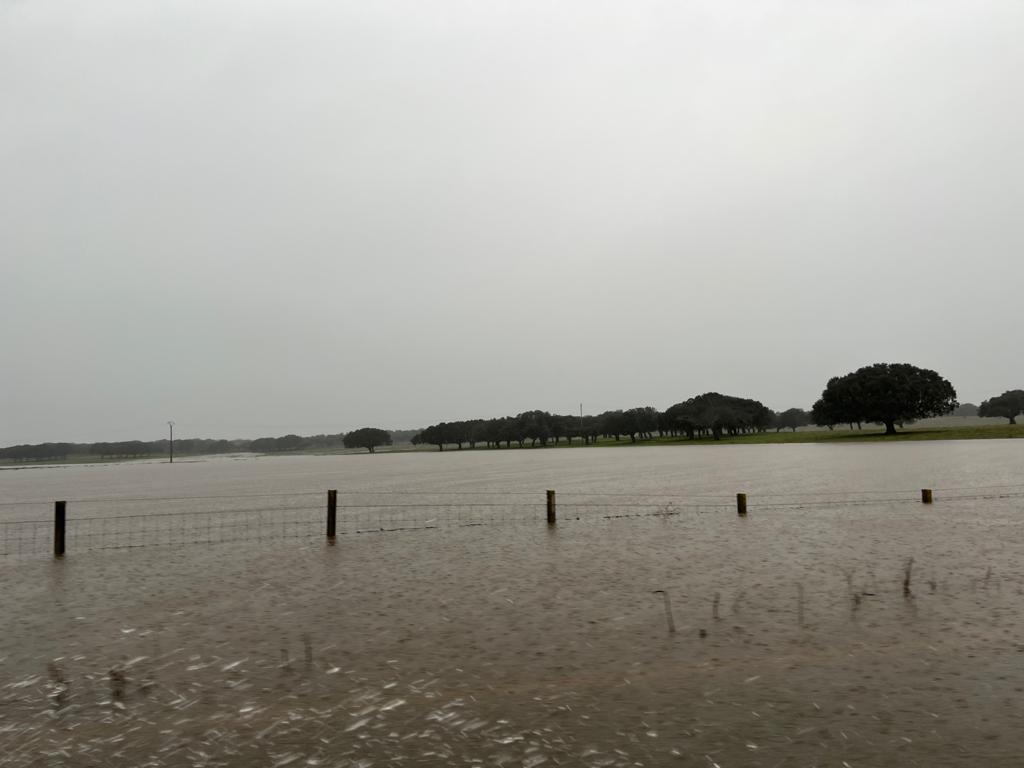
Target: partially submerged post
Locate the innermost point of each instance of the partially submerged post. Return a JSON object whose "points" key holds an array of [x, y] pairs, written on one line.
{"points": [[926, 495], [332, 514], [552, 519], [59, 508], [741, 504]]}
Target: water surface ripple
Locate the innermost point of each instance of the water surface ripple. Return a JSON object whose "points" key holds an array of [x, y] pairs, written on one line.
{"points": [[795, 641]]}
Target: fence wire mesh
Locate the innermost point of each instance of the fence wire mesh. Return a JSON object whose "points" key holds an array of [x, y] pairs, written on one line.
{"points": [[26, 537], [27, 528]]}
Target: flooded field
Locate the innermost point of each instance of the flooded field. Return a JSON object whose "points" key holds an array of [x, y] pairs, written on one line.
{"points": [[841, 623]]}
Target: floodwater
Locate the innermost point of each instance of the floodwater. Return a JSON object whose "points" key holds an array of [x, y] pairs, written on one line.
{"points": [[803, 633]]}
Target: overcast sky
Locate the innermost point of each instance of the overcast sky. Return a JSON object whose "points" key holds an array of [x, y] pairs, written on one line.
{"points": [[267, 217]]}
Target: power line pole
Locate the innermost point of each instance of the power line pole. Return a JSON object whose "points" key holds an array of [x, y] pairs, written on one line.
{"points": [[171, 425]]}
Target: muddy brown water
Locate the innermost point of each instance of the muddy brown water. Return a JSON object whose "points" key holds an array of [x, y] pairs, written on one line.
{"points": [[517, 644]]}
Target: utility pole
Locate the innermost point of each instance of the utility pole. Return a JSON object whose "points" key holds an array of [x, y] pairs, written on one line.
{"points": [[581, 424], [171, 425]]}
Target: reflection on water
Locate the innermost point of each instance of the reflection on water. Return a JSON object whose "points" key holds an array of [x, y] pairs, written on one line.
{"points": [[794, 641]]}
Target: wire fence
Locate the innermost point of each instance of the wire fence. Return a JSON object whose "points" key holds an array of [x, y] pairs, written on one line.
{"points": [[35, 527]]}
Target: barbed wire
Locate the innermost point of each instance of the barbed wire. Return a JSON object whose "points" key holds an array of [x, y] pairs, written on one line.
{"points": [[752, 504], [837, 493], [238, 510], [982, 496], [982, 487]]}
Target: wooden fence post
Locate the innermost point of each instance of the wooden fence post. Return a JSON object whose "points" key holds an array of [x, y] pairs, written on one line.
{"points": [[741, 504], [926, 495], [552, 519], [59, 508], [332, 515]]}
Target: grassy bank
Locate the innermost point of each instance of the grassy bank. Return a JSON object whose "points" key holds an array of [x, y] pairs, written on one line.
{"points": [[867, 435]]}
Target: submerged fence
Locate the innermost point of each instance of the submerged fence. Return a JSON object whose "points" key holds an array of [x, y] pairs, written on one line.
{"points": [[118, 523]]}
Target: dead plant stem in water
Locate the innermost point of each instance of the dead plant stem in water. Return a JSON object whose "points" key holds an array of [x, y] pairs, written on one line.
{"points": [[668, 611]]}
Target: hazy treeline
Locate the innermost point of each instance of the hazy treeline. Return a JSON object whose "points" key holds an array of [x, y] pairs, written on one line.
{"points": [[126, 449], [134, 449]]}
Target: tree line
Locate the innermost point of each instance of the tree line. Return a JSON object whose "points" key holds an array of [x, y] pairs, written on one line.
{"points": [[709, 415], [890, 394], [125, 449], [136, 449]]}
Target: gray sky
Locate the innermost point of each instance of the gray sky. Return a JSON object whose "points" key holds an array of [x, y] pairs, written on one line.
{"points": [[257, 218]]}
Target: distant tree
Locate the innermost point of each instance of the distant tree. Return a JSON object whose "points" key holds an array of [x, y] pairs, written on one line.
{"points": [[460, 432], [612, 424], [132, 448], [841, 401], [715, 414], [666, 425], [821, 415], [591, 428], [562, 426], [368, 438], [477, 432], [1008, 405], [966, 410], [639, 422], [291, 443], [791, 419], [457, 433], [263, 445], [534, 426], [884, 393], [494, 431], [433, 435]]}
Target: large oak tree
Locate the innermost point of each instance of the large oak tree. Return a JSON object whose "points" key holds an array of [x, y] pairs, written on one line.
{"points": [[885, 393]]}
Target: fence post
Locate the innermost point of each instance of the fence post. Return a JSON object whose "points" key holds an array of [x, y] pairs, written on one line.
{"points": [[332, 514], [59, 508], [926, 495], [552, 519], [741, 504]]}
